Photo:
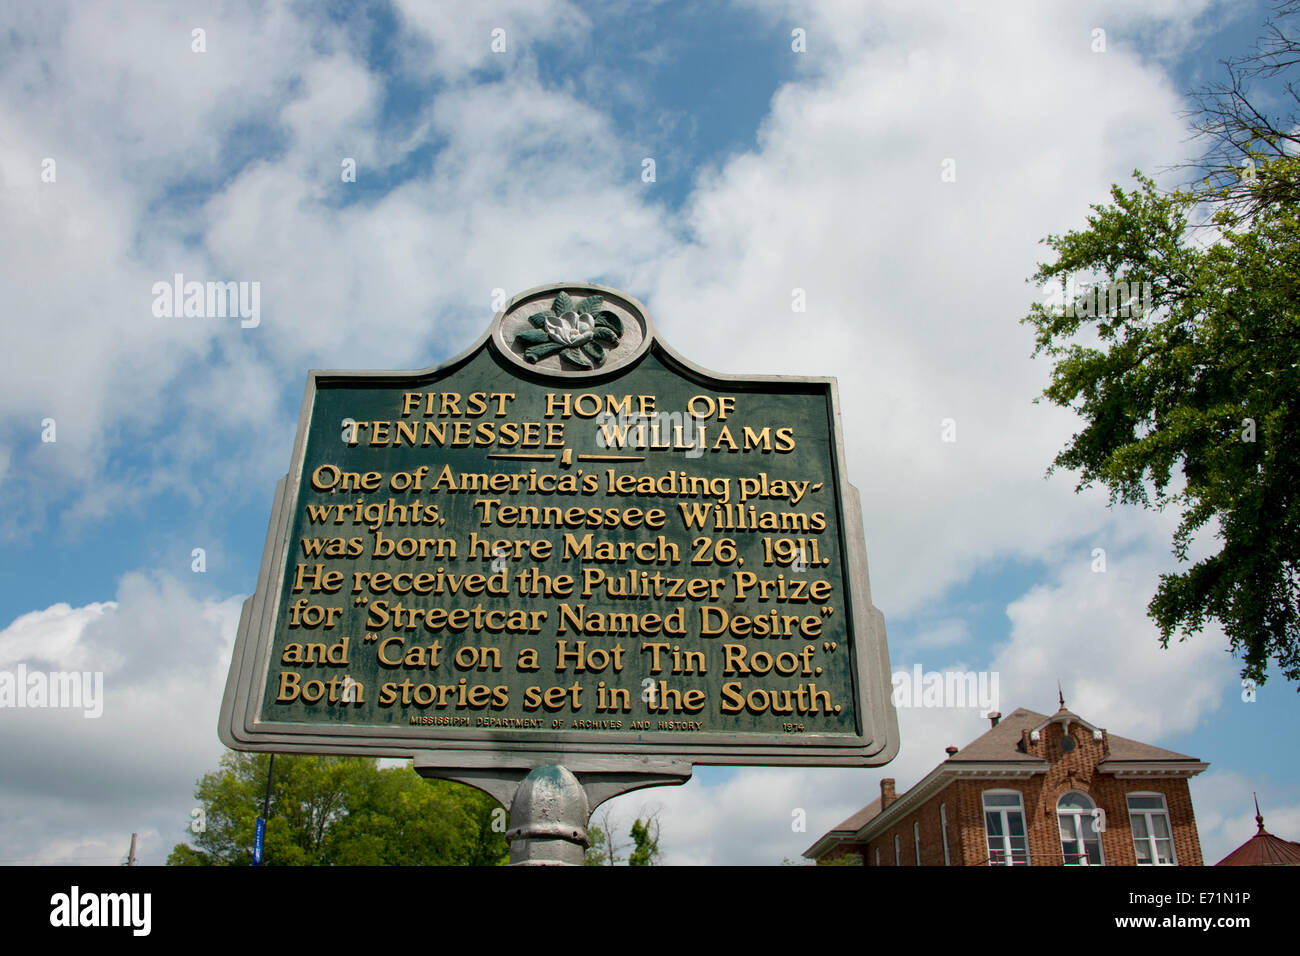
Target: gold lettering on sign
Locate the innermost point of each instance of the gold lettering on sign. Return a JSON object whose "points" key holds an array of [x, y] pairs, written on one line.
{"points": [[543, 560]]}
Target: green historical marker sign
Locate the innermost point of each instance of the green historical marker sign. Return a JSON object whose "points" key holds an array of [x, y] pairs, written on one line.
{"points": [[567, 545]]}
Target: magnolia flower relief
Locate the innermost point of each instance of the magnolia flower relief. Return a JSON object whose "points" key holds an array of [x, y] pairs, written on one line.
{"points": [[579, 333]]}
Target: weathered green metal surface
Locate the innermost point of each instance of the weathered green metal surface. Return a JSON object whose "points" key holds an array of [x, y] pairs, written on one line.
{"points": [[822, 681], [606, 558]]}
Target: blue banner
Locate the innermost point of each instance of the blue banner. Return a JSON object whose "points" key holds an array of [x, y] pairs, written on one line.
{"points": [[257, 842]]}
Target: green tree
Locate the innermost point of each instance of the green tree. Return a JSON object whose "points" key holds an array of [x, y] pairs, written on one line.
{"points": [[645, 841], [340, 811], [1195, 404], [606, 848], [596, 854]]}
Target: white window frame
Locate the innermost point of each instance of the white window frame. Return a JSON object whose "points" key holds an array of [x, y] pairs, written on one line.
{"points": [[1075, 816], [943, 826], [1005, 814], [1151, 838], [916, 840]]}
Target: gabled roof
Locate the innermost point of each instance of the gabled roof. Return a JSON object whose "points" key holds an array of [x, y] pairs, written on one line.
{"points": [[844, 830], [855, 823], [1002, 743], [998, 752], [1121, 748]]}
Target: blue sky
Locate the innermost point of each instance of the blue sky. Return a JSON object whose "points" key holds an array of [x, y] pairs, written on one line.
{"points": [[480, 171]]}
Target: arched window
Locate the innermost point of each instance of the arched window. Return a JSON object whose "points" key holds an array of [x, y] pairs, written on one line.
{"points": [[1004, 824], [898, 852], [916, 840], [1077, 818], [877, 856]]}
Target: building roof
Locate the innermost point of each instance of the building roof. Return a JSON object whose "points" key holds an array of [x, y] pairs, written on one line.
{"points": [[998, 751], [1002, 743], [844, 830], [855, 823], [1263, 849]]}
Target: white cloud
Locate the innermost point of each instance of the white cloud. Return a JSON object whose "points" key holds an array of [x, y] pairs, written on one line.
{"points": [[522, 188], [940, 634], [1090, 631], [76, 787], [51, 636], [843, 199], [137, 116], [914, 288], [1225, 811], [461, 37]]}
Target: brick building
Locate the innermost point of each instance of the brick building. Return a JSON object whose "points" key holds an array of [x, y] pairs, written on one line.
{"points": [[1032, 791]]}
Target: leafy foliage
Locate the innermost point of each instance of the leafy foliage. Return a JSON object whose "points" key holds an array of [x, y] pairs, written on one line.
{"points": [[1197, 404], [340, 811], [645, 842], [606, 848], [598, 853]]}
